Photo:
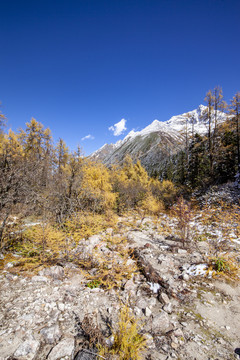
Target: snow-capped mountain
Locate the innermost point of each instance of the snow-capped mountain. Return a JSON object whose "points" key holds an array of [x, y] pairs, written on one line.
{"points": [[159, 139]]}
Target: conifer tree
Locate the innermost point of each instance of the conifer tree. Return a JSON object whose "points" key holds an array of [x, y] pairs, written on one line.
{"points": [[210, 106], [235, 111], [62, 155], [2, 122], [219, 105]]}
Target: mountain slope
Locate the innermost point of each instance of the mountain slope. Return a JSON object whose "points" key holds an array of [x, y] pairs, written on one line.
{"points": [[158, 140]]}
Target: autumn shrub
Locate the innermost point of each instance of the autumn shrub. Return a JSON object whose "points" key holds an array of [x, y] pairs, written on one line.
{"points": [[84, 224], [164, 191], [112, 269], [48, 240], [226, 265], [96, 193], [39, 244], [128, 343], [91, 332], [11, 234], [130, 183], [183, 212], [110, 261], [150, 205], [221, 264]]}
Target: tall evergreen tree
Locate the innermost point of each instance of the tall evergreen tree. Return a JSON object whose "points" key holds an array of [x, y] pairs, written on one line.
{"points": [[235, 111], [209, 115]]}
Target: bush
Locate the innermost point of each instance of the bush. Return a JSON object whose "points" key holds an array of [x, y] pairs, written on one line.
{"points": [[128, 342], [183, 213], [84, 224], [150, 205], [114, 266], [164, 191]]}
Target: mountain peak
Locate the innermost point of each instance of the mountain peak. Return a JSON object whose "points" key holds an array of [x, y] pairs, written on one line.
{"points": [[201, 107], [153, 142]]}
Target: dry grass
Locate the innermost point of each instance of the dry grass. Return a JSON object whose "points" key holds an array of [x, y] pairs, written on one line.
{"points": [[112, 267]]}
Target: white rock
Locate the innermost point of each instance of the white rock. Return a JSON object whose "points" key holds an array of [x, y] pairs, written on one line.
{"points": [[94, 239], [161, 323], [51, 334], [109, 231], [95, 290], [55, 272], [137, 311], [64, 348], [154, 287], [110, 341], [185, 277], [165, 348], [182, 251], [129, 285], [147, 312], [178, 332], [9, 265], [142, 303], [28, 349], [53, 305], [149, 341], [168, 308], [61, 306], [163, 298], [152, 302], [38, 278]]}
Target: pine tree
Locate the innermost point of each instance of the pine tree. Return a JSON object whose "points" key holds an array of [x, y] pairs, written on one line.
{"points": [[210, 106], [2, 122], [62, 155], [219, 105], [235, 111]]}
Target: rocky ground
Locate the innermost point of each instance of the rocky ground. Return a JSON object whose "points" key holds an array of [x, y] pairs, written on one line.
{"points": [[185, 312]]}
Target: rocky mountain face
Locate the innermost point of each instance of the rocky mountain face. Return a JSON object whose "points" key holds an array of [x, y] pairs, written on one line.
{"points": [[158, 140]]}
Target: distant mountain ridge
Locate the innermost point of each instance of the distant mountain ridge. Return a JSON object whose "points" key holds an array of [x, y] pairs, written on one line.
{"points": [[152, 144]]}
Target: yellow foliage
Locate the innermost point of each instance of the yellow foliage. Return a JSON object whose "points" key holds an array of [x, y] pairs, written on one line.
{"points": [[10, 145], [151, 205], [96, 176], [128, 342], [114, 266], [85, 224], [36, 139], [97, 187], [134, 172], [164, 191], [48, 241], [130, 183], [225, 265]]}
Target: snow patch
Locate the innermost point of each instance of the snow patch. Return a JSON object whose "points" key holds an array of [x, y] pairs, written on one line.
{"points": [[198, 270], [154, 287]]}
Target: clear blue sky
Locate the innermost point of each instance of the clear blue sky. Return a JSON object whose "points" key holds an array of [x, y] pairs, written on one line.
{"points": [[81, 66]]}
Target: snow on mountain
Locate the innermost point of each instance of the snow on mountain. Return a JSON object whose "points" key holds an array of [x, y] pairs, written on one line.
{"points": [[196, 118], [159, 138]]}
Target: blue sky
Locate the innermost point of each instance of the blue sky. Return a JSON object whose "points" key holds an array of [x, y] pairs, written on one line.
{"points": [[80, 67]]}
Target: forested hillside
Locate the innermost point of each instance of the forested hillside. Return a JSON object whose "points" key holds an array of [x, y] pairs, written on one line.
{"points": [[38, 178], [112, 263], [210, 158]]}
